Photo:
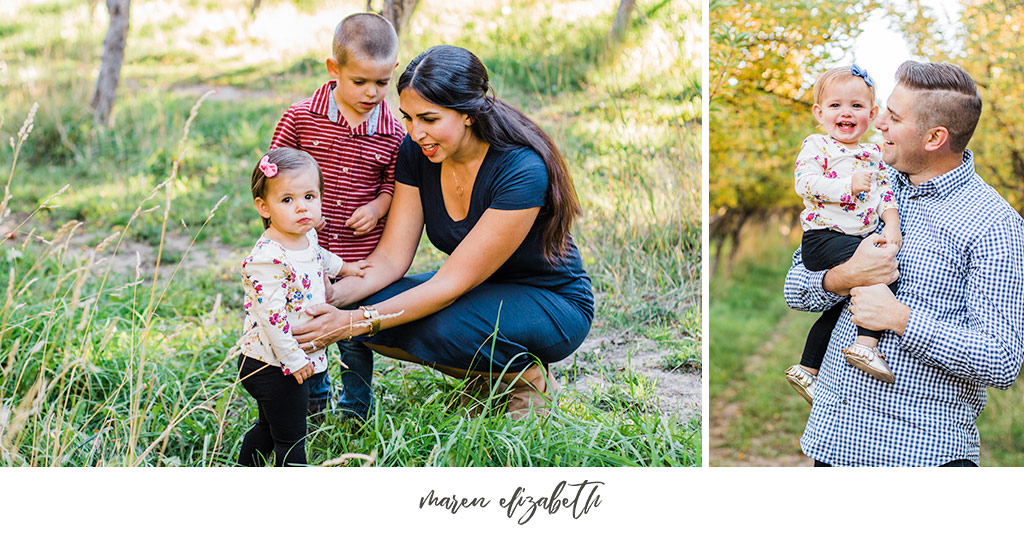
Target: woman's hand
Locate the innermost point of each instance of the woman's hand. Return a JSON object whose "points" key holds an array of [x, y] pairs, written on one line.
{"points": [[328, 325]]}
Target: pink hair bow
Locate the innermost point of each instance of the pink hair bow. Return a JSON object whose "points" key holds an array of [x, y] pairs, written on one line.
{"points": [[268, 168]]}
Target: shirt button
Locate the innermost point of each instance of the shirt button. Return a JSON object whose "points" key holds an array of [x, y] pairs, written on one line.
{"points": [[344, 170], [335, 236], [316, 142], [844, 401]]}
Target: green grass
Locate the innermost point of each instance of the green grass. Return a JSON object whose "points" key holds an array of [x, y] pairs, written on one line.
{"points": [[755, 337], [113, 367], [1001, 426]]}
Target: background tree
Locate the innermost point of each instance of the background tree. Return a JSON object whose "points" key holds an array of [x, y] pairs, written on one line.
{"points": [[621, 21], [763, 56], [103, 96], [986, 43], [397, 11]]}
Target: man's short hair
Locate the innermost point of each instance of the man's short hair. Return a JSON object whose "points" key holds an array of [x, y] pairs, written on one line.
{"points": [[366, 36], [945, 96]]}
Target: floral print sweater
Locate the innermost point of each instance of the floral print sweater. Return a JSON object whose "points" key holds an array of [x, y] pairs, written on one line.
{"points": [[824, 172], [279, 285]]}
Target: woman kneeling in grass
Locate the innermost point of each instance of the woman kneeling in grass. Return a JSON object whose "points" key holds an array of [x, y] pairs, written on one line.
{"points": [[494, 194]]}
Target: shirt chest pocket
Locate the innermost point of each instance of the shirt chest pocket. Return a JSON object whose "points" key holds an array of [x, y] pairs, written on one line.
{"points": [[373, 161], [319, 148]]}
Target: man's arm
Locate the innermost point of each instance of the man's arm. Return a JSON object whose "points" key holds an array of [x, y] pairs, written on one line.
{"points": [[989, 347], [873, 262], [987, 344], [803, 289]]}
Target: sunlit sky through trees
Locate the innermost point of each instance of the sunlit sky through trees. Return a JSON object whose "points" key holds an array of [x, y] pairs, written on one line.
{"points": [[881, 49]]}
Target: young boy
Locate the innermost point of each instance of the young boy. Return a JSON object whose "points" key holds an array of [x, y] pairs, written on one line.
{"points": [[347, 128]]}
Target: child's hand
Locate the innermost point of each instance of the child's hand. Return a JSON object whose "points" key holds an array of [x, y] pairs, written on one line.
{"points": [[363, 220], [893, 236], [355, 268], [304, 373], [861, 182], [320, 225], [329, 289]]}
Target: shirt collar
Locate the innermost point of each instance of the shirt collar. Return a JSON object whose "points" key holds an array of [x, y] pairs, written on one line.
{"points": [[941, 185], [318, 103], [368, 127], [322, 103]]}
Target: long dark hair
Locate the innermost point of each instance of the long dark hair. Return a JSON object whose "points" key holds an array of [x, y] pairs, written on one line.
{"points": [[454, 78]]}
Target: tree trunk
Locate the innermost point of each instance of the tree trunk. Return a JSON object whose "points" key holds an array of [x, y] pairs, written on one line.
{"points": [[110, 64], [398, 12], [622, 18]]}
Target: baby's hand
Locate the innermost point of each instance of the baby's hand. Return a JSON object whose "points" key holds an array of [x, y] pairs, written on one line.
{"points": [[304, 373], [363, 220], [329, 289], [892, 235], [861, 182], [320, 224], [355, 268]]}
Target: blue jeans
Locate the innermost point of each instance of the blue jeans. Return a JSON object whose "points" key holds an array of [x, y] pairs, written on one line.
{"points": [[356, 396]]}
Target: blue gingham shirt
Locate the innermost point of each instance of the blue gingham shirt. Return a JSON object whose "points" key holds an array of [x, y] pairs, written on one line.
{"points": [[962, 275]]}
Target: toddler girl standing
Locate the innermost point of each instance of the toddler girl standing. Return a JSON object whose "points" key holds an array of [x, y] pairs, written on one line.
{"points": [[282, 276], [845, 193]]}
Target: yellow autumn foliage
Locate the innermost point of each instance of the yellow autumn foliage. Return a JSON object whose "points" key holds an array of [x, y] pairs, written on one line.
{"points": [[763, 57]]}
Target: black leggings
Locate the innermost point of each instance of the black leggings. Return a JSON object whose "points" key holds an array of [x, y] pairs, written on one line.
{"points": [[281, 426], [823, 249]]}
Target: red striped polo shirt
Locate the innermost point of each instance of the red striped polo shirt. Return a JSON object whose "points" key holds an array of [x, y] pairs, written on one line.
{"points": [[357, 166]]}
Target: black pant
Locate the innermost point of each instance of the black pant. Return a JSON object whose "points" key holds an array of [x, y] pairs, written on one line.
{"points": [[823, 249], [281, 426], [951, 464]]}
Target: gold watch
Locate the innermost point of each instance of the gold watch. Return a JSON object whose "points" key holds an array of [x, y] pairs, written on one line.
{"points": [[370, 313]]}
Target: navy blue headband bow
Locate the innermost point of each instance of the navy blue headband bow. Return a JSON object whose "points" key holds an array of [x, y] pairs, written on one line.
{"points": [[856, 70]]}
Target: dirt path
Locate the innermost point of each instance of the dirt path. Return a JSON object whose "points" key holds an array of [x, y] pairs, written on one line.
{"points": [[723, 416], [606, 357]]}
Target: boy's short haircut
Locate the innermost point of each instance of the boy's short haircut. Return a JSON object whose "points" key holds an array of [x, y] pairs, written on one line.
{"points": [[832, 76], [366, 36], [945, 96]]}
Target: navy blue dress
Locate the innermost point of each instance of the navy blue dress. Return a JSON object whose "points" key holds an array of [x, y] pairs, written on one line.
{"points": [[528, 309]]}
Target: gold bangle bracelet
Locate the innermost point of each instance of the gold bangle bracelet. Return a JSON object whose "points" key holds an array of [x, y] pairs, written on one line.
{"points": [[370, 313], [349, 325]]}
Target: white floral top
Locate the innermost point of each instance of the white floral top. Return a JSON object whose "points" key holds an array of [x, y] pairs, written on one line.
{"points": [[824, 172], [279, 284]]}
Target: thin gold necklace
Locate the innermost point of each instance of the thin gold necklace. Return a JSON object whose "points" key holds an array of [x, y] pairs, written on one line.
{"points": [[458, 188]]}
